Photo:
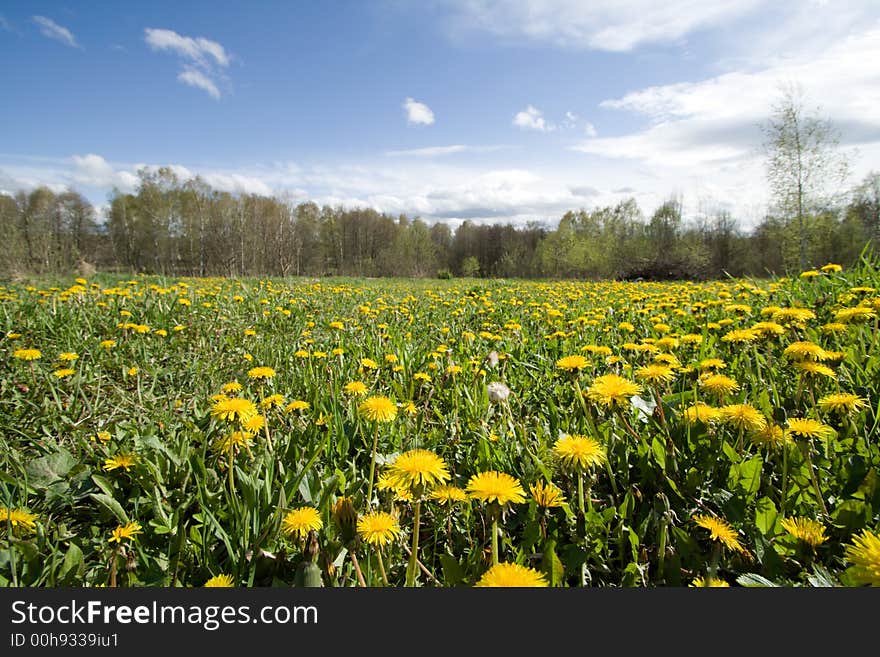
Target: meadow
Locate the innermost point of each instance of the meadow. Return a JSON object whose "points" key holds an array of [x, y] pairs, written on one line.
{"points": [[383, 432]]}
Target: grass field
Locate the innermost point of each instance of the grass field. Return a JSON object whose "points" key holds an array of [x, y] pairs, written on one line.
{"points": [[165, 432]]}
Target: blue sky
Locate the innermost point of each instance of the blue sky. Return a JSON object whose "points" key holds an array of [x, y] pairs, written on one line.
{"points": [[490, 110]]}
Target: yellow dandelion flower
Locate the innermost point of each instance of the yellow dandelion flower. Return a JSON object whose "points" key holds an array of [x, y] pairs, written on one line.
{"points": [[805, 351], [103, 436], [355, 388], [19, 519], [721, 531], [768, 329], [743, 417], [378, 409], [655, 374], [272, 401], [416, 469], [448, 494], [232, 386], [378, 528], [297, 405], [498, 487], [579, 452], [807, 530], [718, 384], [842, 403], [254, 424], [63, 373], [511, 575], [701, 412], [234, 408], [808, 428], [714, 582], [219, 581], [68, 356], [572, 363], [299, 522], [547, 496], [854, 315], [124, 461], [612, 391], [27, 354], [814, 370], [793, 315], [233, 442], [864, 554], [712, 364], [740, 336], [261, 373], [771, 436], [125, 532], [833, 327]]}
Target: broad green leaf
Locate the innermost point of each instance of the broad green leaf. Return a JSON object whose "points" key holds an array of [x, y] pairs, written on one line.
{"points": [[47, 470], [659, 450], [111, 505], [766, 515], [452, 571], [754, 580]]}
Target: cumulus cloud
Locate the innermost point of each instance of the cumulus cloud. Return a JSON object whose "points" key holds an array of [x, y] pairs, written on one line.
{"points": [[202, 60], [709, 130], [52, 30], [417, 112], [93, 170], [608, 25], [531, 118]]}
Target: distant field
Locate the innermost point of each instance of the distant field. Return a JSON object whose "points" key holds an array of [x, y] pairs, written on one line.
{"points": [[183, 432]]}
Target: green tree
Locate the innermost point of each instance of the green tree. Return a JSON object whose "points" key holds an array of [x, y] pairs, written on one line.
{"points": [[802, 161]]}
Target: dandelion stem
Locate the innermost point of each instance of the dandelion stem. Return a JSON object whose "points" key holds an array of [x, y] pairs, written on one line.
{"points": [[357, 569], [628, 427], [373, 465], [581, 493], [411, 569], [783, 494], [819, 496], [494, 541], [113, 556], [382, 568]]}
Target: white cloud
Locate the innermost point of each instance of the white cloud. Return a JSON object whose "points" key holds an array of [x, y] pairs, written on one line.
{"points": [[198, 50], [52, 30], [195, 78], [93, 170], [437, 151], [707, 133], [531, 118], [417, 112], [4, 24], [590, 129], [203, 59], [608, 25]]}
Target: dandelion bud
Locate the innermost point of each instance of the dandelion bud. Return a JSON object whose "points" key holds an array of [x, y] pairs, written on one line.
{"points": [[345, 518]]}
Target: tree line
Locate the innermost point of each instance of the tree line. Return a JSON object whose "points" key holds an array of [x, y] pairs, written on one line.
{"points": [[186, 228]]}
